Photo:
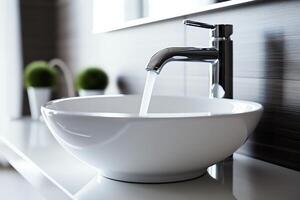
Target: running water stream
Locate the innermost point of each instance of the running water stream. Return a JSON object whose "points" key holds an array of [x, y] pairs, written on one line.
{"points": [[150, 81]]}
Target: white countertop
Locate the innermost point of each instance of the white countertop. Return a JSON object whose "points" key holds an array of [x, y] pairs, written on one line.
{"points": [[34, 153]]}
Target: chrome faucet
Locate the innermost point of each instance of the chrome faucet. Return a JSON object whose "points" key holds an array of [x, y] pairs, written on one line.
{"points": [[219, 55]]}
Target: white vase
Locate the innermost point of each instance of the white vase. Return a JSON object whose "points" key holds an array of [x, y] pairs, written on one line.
{"points": [[84, 93], [38, 96]]}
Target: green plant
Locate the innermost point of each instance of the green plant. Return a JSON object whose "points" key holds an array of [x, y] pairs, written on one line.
{"points": [[92, 78], [39, 74]]}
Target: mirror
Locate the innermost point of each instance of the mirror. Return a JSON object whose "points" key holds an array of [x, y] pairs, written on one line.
{"points": [[117, 14]]}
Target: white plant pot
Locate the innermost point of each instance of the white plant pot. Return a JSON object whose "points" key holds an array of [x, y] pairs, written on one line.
{"points": [[84, 93], [38, 96]]}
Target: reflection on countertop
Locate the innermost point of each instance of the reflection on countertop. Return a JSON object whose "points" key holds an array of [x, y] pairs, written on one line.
{"points": [[205, 187], [32, 150]]}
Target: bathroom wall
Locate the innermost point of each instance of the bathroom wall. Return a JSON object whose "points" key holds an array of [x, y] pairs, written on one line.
{"points": [[266, 63], [38, 30], [10, 61]]}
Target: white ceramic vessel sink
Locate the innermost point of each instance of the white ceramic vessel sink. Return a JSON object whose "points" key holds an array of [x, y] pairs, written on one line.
{"points": [[177, 140]]}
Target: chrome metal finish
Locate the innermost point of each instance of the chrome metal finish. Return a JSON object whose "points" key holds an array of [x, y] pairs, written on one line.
{"points": [[67, 74], [219, 55], [190, 54], [198, 24]]}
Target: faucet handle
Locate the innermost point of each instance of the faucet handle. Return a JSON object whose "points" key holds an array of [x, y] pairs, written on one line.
{"points": [[218, 30], [198, 24]]}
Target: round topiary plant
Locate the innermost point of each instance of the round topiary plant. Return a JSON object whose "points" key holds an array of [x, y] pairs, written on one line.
{"points": [[92, 78], [39, 74]]}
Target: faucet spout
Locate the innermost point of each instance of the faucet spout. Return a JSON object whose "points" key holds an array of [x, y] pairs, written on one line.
{"points": [[189, 54], [219, 55]]}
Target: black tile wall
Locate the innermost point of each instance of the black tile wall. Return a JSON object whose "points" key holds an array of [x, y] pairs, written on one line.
{"points": [[267, 70]]}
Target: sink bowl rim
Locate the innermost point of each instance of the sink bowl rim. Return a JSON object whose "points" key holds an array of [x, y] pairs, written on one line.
{"points": [[256, 107]]}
